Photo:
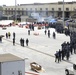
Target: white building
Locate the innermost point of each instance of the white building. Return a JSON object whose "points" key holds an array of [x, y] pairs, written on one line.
{"points": [[11, 65]]}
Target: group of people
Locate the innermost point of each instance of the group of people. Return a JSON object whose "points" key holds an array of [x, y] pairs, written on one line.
{"points": [[22, 41], [67, 49], [48, 33], [64, 52], [8, 35]]}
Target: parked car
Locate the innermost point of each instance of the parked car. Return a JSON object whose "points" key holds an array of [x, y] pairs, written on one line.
{"points": [[36, 67], [71, 70]]}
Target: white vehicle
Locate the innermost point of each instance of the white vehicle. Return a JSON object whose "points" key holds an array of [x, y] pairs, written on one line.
{"points": [[71, 70]]}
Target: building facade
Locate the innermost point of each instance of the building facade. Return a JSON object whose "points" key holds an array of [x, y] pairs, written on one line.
{"points": [[43, 9], [1, 12]]}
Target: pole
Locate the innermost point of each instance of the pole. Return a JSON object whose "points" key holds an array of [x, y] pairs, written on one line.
{"points": [[63, 13], [15, 10]]}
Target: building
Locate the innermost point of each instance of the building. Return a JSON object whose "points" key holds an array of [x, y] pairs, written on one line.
{"points": [[43, 9], [1, 12], [11, 65]]}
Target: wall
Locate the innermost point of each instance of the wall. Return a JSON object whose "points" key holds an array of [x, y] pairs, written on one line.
{"points": [[12, 68]]}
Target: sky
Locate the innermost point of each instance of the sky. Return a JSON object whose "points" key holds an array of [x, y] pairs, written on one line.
{"points": [[12, 2]]}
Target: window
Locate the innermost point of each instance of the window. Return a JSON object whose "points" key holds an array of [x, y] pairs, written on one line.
{"points": [[18, 8], [11, 8], [52, 9], [8, 8], [40, 9], [59, 9], [67, 9], [46, 9], [5, 8], [35, 9]]}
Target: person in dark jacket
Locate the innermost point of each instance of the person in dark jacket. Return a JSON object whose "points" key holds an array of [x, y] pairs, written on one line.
{"points": [[45, 31], [54, 35], [14, 34], [57, 56], [27, 41], [28, 32], [21, 41], [6, 35], [13, 41], [48, 33], [67, 55], [0, 39], [60, 55]]}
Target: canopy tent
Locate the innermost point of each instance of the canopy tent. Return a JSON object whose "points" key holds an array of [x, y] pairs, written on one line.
{"points": [[52, 21], [23, 23]]}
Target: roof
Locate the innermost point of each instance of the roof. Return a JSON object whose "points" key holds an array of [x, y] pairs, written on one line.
{"points": [[9, 57]]}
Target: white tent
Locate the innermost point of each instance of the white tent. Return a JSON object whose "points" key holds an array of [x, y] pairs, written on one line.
{"points": [[5, 22], [23, 23]]}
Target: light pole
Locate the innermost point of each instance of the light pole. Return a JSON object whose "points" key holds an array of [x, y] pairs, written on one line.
{"points": [[63, 13], [15, 10]]}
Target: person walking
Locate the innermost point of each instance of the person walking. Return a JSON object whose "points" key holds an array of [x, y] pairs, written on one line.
{"points": [[14, 34], [6, 35], [45, 31], [48, 33], [0, 39], [21, 41], [57, 56], [28, 32], [13, 41], [54, 35], [27, 42], [9, 34]]}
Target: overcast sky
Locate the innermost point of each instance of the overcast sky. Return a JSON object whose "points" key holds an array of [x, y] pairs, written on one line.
{"points": [[12, 2]]}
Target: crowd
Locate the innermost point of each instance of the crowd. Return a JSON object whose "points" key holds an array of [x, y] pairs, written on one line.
{"points": [[67, 48]]}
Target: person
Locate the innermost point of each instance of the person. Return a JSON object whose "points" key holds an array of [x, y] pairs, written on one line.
{"points": [[0, 39], [13, 41], [28, 32], [74, 48], [48, 33], [13, 34], [21, 41], [9, 34], [67, 55], [45, 31], [54, 35], [57, 56], [6, 35], [27, 42]]}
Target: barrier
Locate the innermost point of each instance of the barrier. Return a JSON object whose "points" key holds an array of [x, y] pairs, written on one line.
{"points": [[29, 73], [36, 34]]}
